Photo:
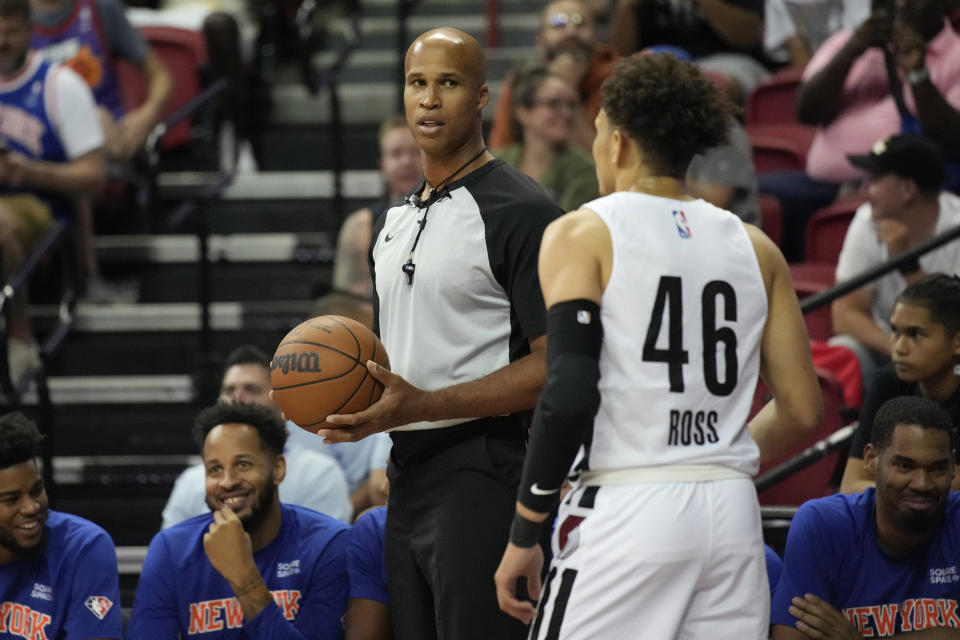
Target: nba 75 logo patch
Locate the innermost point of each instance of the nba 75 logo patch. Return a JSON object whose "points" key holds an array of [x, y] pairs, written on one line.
{"points": [[683, 229], [99, 605]]}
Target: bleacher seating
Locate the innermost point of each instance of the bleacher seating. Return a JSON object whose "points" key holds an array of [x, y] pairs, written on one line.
{"points": [[773, 101], [828, 227]]}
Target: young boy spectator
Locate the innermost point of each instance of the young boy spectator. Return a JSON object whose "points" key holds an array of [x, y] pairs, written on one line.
{"points": [[925, 346], [905, 207]]}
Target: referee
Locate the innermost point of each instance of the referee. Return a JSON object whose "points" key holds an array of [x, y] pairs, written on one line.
{"points": [[458, 306]]}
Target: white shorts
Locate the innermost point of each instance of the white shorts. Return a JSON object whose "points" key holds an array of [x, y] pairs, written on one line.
{"points": [[668, 560]]}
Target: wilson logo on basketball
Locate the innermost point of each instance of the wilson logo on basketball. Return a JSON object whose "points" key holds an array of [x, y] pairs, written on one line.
{"points": [[305, 362]]}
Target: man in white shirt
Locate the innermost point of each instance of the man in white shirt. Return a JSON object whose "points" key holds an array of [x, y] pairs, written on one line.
{"points": [[905, 208]]}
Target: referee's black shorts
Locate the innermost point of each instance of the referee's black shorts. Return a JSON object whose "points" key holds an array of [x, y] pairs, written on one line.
{"points": [[452, 497]]}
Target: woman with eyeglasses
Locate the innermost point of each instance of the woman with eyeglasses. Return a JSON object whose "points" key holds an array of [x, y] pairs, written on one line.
{"points": [[544, 111]]}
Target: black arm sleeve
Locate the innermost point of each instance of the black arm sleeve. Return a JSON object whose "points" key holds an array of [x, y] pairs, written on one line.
{"points": [[568, 403]]}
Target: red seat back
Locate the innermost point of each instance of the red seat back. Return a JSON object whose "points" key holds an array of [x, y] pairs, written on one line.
{"points": [[815, 480], [774, 100], [828, 227], [779, 147], [184, 52], [771, 217], [809, 279]]}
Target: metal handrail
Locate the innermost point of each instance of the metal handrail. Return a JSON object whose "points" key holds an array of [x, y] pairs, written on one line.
{"points": [[842, 436], [827, 296]]}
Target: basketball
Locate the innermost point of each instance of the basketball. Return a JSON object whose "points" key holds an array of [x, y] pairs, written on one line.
{"points": [[320, 369]]}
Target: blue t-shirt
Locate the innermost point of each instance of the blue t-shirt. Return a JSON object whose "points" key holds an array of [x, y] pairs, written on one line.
{"points": [[832, 552], [365, 553], [774, 567], [69, 588], [304, 567]]}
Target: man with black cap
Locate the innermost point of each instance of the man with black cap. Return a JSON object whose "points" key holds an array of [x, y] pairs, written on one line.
{"points": [[905, 207]]}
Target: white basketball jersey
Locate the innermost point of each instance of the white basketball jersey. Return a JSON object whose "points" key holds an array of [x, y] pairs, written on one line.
{"points": [[683, 316]]}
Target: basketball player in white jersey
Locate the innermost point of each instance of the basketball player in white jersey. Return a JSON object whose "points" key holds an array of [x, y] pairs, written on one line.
{"points": [[662, 313]]}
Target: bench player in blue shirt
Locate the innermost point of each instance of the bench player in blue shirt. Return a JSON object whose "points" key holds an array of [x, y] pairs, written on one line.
{"points": [[253, 568], [884, 562], [58, 572]]}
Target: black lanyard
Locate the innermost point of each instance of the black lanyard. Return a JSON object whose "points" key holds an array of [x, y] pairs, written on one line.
{"points": [[436, 193]]}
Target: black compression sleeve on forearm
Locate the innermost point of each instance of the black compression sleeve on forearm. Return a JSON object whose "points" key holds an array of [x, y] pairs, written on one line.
{"points": [[568, 402]]}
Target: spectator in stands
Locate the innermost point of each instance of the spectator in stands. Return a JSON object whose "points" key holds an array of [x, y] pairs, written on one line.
{"points": [[88, 36], [275, 570], [849, 94], [229, 29], [401, 170], [544, 111], [721, 36], [568, 45], [368, 612], [884, 561], [794, 29], [724, 176], [926, 351], [58, 572], [50, 153], [312, 480], [905, 207]]}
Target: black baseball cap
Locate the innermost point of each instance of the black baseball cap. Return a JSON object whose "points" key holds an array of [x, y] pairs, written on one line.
{"points": [[911, 156]]}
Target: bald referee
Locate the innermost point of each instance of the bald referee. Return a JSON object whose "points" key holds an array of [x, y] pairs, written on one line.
{"points": [[459, 309]]}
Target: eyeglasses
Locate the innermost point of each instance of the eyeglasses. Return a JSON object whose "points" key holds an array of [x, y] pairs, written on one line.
{"points": [[561, 20], [557, 104]]}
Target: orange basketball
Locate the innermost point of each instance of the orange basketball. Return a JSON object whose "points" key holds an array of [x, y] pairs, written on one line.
{"points": [[320, 368]]}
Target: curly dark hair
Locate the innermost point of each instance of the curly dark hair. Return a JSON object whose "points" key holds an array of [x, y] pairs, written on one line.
{"points": [[938, 293], [668, 108], [269, 426], [909, 410], [19, 439]]}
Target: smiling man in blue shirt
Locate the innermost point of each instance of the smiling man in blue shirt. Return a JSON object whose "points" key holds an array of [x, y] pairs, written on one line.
{"points": [[253, 567]]}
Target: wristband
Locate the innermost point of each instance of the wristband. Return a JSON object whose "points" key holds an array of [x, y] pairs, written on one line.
{"points": [[524, 533], [909, 267]]}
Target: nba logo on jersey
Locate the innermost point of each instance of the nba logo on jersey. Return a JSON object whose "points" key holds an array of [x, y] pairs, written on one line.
{"points": [[683, 229], [99, 605]]}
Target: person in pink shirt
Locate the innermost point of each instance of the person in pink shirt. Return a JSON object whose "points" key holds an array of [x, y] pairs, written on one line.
{"points": [[851, 89]]}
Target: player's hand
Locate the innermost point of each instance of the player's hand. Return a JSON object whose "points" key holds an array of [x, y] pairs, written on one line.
{"points": [[228, 546], [818, 619], [401, 403], [894, 234], [519, 562]]}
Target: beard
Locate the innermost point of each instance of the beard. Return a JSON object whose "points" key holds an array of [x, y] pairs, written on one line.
{"points": [[258, 512], [920, 523], [10, 543]]}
